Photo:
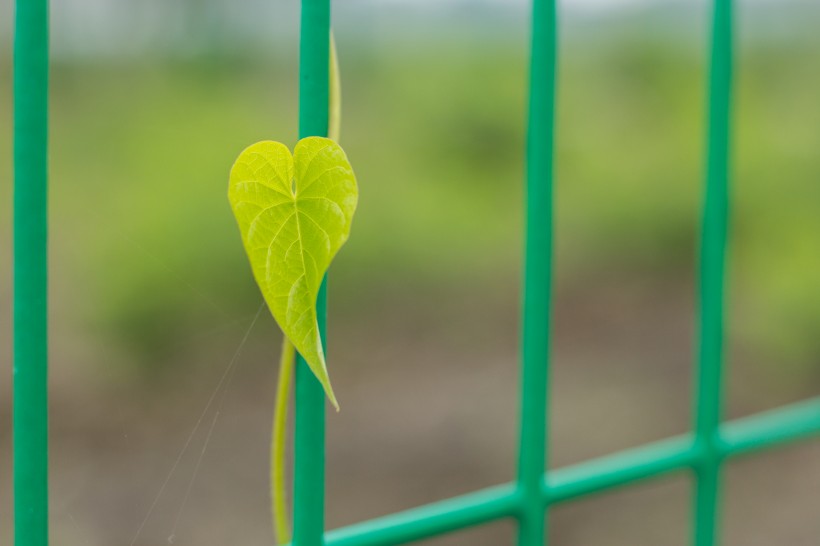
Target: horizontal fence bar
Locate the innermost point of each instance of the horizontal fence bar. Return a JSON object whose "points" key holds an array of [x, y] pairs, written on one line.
{"points": [[619, 469], [430, 520], [771, 428], [739, 437]]}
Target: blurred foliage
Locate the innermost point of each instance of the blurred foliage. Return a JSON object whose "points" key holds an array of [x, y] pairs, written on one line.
{"points": [[435, 134]]}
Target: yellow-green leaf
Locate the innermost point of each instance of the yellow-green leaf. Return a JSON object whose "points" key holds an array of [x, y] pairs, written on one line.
{"points": [[294, 213]]}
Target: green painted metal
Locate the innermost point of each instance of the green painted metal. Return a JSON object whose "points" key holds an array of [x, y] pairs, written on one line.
{"points": [[30, 273], [712, 281], [736, 438], [619, 469], [431, 520], [309, 436], [535, 339], [771, 428], [701, 452]]}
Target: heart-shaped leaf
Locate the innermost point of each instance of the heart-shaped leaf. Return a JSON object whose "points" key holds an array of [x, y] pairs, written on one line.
{"points": [[294, 213]]}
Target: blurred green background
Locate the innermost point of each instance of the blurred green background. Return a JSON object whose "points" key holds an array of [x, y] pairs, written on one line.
{"points": [[152, 294]]}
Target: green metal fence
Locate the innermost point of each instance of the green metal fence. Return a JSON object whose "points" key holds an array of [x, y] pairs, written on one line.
{"points": [[702, 453]]}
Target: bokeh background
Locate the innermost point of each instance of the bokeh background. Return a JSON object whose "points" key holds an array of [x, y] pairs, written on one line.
{"points": [[151, 295]]}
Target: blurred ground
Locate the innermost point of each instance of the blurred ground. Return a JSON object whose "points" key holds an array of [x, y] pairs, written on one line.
{"points": [[151, 294], [428, 411]]}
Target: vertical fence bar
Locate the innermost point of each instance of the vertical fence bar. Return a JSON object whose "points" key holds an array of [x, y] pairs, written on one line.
{"points": [[309, 440], [537, 274], [30, 275], [712, 279]]}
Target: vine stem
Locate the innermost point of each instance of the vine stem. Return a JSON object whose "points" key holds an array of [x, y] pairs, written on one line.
{"points": [[287, 360], [279, 443], [334, 123]]}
